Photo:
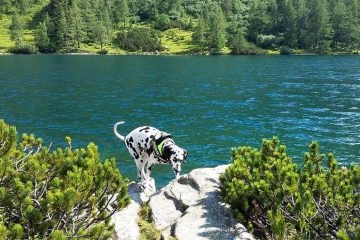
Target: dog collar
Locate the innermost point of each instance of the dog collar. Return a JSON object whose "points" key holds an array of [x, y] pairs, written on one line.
{"points": [[161, 146], [158, 150]]}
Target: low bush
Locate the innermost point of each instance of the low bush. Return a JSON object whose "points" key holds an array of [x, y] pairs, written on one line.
{"points": [[266, 41], [276, 199], [239, 46], [285, 50], [103, 51], [24, 48], [61, 194], [162, 22], [140, 39], [148, 230]]}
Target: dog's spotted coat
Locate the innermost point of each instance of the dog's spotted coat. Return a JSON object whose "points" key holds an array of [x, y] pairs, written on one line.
{"points": [[140, 146]]}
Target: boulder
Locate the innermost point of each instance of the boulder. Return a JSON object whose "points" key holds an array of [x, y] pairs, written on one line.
{"points": [[126, 220], [191, 208]]}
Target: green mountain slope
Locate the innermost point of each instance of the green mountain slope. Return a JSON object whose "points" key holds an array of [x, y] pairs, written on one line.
{"points": [[181, 26]]}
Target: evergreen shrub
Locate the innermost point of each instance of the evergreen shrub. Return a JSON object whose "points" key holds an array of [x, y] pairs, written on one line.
{"points": [[162, 22], [277, 199], [24, 48], [103, 51], [266, 41], [62, 194], [239, 46], [285, 50], [140, 39]]}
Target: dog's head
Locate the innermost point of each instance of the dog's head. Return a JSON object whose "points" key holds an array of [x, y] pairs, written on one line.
{"points": [[176, 155]]}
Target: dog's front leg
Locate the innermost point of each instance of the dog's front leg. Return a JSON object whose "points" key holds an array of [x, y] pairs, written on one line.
{"points": [[150, 181]]}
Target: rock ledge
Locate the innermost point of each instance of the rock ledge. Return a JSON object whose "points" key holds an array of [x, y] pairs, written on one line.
{"points": [[187, 208]]}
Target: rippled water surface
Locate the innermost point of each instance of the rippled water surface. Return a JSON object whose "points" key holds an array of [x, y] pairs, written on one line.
{"points": [[209, 104]]}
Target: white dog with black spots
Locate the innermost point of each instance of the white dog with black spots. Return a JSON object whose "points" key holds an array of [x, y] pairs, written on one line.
{"points": [[149, 146]]}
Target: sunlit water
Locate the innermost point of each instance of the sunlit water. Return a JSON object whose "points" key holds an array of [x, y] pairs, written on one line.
{"points": [[209, 104]]}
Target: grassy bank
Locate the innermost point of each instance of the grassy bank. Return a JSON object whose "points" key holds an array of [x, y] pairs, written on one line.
{"points": [[175, 41]]}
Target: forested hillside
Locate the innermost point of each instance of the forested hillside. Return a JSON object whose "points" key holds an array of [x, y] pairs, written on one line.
{"points": [[180, 26]]}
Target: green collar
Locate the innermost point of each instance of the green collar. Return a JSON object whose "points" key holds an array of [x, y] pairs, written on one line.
{"points": [[160, 146]]}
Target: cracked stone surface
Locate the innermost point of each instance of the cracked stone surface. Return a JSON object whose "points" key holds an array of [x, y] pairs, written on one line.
{"points": [[191, 208], [126, 227]]}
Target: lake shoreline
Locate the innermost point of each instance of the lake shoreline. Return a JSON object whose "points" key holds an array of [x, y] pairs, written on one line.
{"points": [[186, 54]]}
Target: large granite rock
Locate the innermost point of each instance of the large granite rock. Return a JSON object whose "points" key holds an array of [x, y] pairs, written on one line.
{"points": [[191, 208], [126, 226]]}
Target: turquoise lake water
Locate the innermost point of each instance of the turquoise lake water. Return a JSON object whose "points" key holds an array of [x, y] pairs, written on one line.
{"points": [[209, 104]]}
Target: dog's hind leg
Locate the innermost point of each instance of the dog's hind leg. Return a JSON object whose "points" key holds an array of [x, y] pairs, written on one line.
{"points": [[139, 169], [150, 181], [140, 165]]}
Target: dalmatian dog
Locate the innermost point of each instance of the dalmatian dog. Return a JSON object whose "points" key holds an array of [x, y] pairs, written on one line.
{"points": [[150, 146]]}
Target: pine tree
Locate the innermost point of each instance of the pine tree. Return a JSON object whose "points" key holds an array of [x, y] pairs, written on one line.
{"points": [[5, 6], [199, 35], [58, 32], [281, 200], [16, 31], [217, 30], [342, 24], [289, 24], [301, 23], [91, 21], [23, 5], [61, 194], [100, 35], [238, 44], [354, 8], [42, 40], [259, 20], [76, 24], [121, 12], [319, 29]]}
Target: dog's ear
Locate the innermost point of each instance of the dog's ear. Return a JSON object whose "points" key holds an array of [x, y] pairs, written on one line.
{"points": [[167, 153]]}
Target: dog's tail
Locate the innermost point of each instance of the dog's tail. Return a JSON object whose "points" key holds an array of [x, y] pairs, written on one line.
{"points": [[122, 138]]}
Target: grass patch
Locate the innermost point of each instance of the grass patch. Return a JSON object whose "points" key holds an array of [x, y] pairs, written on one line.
{"points": [[95, 48], [273, 52], [5, 42], [27, 23], [177, 41], [147, 228]]}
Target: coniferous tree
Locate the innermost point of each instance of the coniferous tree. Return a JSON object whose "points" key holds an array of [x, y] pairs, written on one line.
{"points": [[100, 35], [104, 16], [42, 40], [342, 24], [121, 12], [58, 33], [319, 28], [309, 202], [23, 5], [90, 19], [259, 19], [76, 24], [217, 30], [199, 35], [176, 10], [238, 44], [289, 28], [16, 31], [62, 194], [5, 6], [355, 33], [301, 23]]}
